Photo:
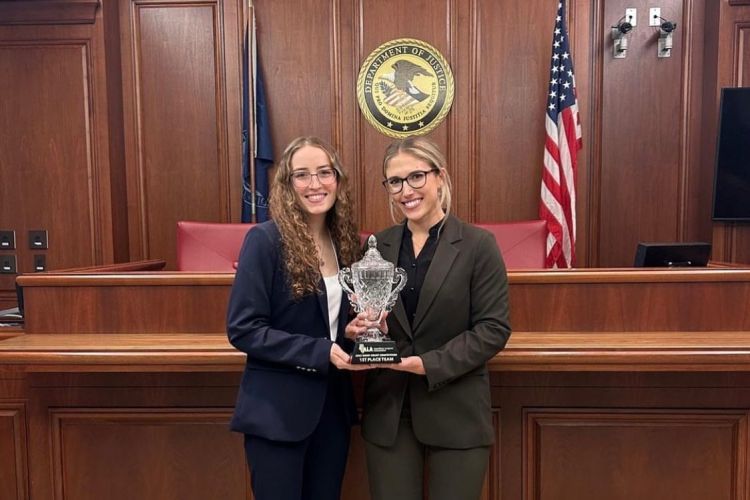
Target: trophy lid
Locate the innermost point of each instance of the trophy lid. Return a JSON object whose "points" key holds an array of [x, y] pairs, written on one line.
{"points": [[372, 259]]}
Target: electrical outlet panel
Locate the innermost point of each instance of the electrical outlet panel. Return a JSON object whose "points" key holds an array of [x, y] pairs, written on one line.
{"points": [[40, 263], [38, 239], [7, 240], [654, 16], [631, 16], [8, 264]]}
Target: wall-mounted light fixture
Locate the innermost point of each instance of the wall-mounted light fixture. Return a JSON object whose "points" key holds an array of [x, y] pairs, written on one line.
{"points": [[666, 29], [619, 36]]}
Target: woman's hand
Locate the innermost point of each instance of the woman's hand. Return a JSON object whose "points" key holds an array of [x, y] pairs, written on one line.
{"points": [[360, 324], [411, 364], [341, 360]]}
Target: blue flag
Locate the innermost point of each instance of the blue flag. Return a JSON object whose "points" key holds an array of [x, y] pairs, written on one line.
{"points": [[259, 158], [263, 150]]}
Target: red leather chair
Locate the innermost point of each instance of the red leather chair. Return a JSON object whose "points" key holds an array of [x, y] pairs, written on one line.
{"points": [[523, 244], [209, 246], [214, 246]]}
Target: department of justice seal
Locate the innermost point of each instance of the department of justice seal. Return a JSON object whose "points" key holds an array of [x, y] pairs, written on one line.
{"points": [[405, 87]]}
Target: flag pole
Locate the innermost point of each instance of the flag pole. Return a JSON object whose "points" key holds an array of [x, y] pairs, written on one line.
{"points": [[252, 126]]}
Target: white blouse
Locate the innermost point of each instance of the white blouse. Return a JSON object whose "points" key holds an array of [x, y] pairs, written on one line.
{"points": [[334, 293]]}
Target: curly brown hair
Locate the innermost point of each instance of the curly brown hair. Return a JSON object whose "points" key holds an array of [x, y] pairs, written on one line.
{"points": [[299, 251]]}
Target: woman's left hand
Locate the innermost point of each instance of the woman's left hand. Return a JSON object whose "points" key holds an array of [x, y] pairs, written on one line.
{"points": [[411, 364]]}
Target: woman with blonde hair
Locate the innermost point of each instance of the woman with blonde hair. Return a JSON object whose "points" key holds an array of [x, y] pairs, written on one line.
{"points": [[287, 313], [432, 410]]}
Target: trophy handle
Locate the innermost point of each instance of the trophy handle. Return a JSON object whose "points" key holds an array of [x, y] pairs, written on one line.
{"points": [[345, 278], [399, 279]]}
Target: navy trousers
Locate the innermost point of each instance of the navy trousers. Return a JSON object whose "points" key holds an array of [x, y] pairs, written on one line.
{"points": [[312, 469]]}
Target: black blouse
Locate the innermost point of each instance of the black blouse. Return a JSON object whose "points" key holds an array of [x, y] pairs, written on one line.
{"points": [[416, 267]]}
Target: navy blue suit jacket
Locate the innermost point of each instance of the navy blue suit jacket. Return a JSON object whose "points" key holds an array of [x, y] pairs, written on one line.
{"points": [[287, 343]]}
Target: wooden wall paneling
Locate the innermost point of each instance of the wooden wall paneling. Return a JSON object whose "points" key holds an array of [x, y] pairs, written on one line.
{"points": [[640, 171], [181, 73], [580, 454], [118, 179], [188, 453], [464, 32], [190, 309], [639, 404], [298, 68], [55, 161], [13, 471], [727, 28], [515, 51], [710, 112], [299, 52], [697, 190], [346, 126], [91, 434], [623, 307], [464, 128], [379, 25], [583, 26], [49, 12], [741, 249]]}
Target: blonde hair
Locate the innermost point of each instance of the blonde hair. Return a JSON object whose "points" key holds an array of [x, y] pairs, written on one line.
{"points": [[426, 150], [298, 248]]}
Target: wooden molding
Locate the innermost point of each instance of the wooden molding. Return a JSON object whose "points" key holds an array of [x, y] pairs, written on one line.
{"points": [[548, 434], [13, 466], [739, 2], [49, 12], [644, 351]]}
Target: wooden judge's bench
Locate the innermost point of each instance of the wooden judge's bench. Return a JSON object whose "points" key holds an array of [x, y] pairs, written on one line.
{"points": [[616, 384]]}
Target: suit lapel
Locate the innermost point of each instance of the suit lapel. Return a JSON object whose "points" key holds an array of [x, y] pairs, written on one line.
{"points": [[390, 245], [322, 297], [445, 254], [343, 315]]}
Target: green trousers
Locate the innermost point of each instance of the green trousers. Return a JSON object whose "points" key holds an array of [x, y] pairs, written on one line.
{"points": [[404, 470]]}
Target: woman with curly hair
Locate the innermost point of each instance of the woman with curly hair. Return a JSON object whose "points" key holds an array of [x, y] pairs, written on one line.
{"points": [[287, 312]]}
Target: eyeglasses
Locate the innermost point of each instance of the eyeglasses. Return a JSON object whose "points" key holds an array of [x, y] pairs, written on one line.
{"points": [[303, 178], [415, 180]]}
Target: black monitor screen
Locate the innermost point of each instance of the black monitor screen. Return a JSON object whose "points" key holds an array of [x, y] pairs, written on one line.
{"points": [[672, 254], [732, 179]]}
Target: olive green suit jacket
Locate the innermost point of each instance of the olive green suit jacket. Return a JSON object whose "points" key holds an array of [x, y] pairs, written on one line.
{"points": [[461, 322]]}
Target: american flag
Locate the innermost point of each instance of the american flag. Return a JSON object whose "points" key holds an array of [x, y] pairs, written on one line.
{"points": [[563, 140]]}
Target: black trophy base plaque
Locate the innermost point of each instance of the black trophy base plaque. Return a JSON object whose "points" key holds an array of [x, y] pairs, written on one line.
{"points": [[375, 352]]}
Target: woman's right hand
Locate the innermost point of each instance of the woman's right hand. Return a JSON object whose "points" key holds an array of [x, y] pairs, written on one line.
{"points": [[341, 360]]}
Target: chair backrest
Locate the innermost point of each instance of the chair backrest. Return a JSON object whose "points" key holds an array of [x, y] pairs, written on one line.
{"points": [[209, 246], [523, 244]]}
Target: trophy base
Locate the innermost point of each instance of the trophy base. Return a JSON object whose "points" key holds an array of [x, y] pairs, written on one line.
{"points": [[375, 352]]}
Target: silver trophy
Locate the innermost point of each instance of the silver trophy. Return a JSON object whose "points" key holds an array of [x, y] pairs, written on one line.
{"points": [[369, 285]]}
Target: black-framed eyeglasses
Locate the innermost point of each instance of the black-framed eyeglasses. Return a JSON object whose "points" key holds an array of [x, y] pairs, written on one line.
{"points": [[303, 178], [415, 180]]}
